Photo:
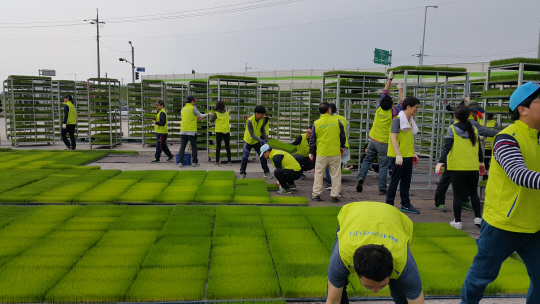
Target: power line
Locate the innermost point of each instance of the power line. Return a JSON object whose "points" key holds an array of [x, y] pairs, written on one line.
{"points": [[113, 49]]}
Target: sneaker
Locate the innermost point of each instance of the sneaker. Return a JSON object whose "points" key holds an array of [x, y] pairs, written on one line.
{"points": [[335, 199], [440, 208], [409, 209], [303, 177], [67, 148], [360, 185], [195, 165], [180, 165], [382, 192], [73, 148], [216, 164], [284, 191], [268, 175], [478, 221], [155, 160], [316, 198], [467, 206], [229, 164], [456, 225], [328, 187], [170, 158], [292, 187], [242, 175]]}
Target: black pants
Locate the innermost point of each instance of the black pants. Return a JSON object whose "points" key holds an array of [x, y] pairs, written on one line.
{"points": [[71, 130], [401, 175], [161, 146], [245, 157], [227, 139], [183, 143], [487, 161], [286, 177], [465, 184], [305, 162], [442, 187]]}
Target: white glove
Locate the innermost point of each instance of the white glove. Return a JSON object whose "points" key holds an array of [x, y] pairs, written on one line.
{"points": [[63, 126], [311, 157], [438, 168], [391, 75], [399, 160], [466, 99], [400, 86]]}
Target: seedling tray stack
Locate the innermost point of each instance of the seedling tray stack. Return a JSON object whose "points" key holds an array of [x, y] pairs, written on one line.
{"points": [[104, 114], [151, 91], [356, 95], [199, 90], [29, 110], [283, 119], [135, 115], [62, 88], [175, 95], [269, 95], [302, 116], [240, 96], [81, 103]]}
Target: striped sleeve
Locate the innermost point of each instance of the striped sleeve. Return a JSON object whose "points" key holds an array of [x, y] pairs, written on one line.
{"points": [[384, 94], [508, 154]]}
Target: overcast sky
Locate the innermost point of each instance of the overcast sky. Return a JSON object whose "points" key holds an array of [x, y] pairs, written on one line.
{"points": [[222, 35]]}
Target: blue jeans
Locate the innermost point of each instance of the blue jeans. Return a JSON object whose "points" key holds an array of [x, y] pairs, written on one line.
{"points": [[494, 246], [401, 175], [245, 157], [375, 149]]}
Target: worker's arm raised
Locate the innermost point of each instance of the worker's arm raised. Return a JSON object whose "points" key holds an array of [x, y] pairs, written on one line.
{"points": [[334, 294]]}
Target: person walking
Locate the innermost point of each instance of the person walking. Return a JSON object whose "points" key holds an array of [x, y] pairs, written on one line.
{"points": [[372, 240], [188, 130], [328, 141], [379, 137], [401, 151], [223, 131], [254, 137], [162, 131], [511, 206], [69, 123], [346, 152], [461, 151], [287, 168]]}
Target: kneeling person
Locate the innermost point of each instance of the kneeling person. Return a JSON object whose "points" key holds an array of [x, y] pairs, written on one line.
{"points": [[373, 241], [287, 168]]}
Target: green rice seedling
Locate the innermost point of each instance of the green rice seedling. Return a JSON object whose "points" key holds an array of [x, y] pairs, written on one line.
{"points": [[426, 68], [303, 287], [179, 223], [57, 250], [25, 178], [292, 222], [514, 61], [159, 176], [289, 200], [181, 210], [65, 261], [102, 211], [228, 212], [128, 238], [436, 230], [160, 213], [345, 171], [178, 255], [14, 245], [245, 231], [142, 193], [113, 257], [88, 224], [27, 284], [276, 144], [106, 192], [498, 93], [252, 199], [127, 224], [177, 194], [251, 190], [162, 284], [190, 175], [136, 175], [223, 175], [218, 183], [28, 230], [232, 77], [214, 194]]}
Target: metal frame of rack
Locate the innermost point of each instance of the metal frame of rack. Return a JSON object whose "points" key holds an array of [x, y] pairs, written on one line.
{"points": [[104, 112], [62, 88]]}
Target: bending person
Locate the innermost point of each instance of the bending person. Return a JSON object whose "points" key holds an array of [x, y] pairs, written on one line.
{"points": [[287, 168]]}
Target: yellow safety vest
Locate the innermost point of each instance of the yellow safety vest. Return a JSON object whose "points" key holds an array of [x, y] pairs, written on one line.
{"points": [[288, 162], [364, 223], [256, 130], [508, 206], [489, 140], [222, 122], [189, 120], [344, 123], [161, 129], [72, 114], [303, 147], [463, 156], [327, 131], [405, 143], [381, 125]]}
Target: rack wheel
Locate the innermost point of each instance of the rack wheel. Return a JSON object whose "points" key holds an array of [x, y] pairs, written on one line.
{"points": [[209, 159]]}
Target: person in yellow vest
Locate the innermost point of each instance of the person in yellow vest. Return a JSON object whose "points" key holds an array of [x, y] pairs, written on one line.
{"points": [[287, 168], [346, 152], [223, 131], [327, 141], [372, 241], [401, 151], [302, 152], [488, 147], [69, 123], [188, 130], [379, 137], [463, 156], [511, 207], [162, 131], [254, 137]]}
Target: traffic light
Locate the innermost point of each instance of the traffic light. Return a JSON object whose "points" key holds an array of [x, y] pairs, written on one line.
{"points": [[136, 75]]}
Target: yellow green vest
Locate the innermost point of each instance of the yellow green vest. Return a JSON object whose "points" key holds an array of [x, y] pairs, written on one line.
{"points": [[288, 162], [344, 123], [72, 114], [508, 206], [161, 129], [364, 223], [189, 120], [256, 130], [222, 122], [327, 132], [405, 143], [463, 156], [381, 125], [303, 147], [489, 140]]}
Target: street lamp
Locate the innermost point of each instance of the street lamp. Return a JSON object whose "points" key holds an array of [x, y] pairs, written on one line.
{"points": [[132, 62], [424, 38], [75, 75]]}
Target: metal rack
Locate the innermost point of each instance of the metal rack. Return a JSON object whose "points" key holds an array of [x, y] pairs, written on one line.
{"points": [[151, 91], [83, 110], [134, 102], [29, 110], [62, 88], [175, 95], [199, 90], [104, 112], [269, 96]]}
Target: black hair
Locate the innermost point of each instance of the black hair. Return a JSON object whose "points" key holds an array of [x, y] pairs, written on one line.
{"points": [[323, 107], [489, 116], [160, 102], [514, 115], [373, 262], [69, 97], [462, 112], [410, 102], [220, 106], [386, 102], [333, 107], [260, 109]]}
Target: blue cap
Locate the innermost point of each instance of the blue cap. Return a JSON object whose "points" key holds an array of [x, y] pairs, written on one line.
{"points": [[523, 92], [264, 148]]}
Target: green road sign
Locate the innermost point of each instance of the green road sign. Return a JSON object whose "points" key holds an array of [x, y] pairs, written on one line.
{"points": [[381, 56]]}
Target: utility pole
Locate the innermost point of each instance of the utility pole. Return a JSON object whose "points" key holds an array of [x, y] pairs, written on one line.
{"points": [[97, 23], [132, 62], [538, 56]]}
